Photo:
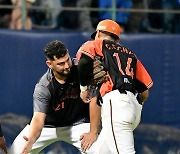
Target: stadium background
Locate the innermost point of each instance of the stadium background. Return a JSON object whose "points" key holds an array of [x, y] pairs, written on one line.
{"points": [[22, 63]]}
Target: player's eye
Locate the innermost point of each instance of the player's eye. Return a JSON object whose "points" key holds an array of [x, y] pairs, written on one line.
{"points": [[61, 64]]}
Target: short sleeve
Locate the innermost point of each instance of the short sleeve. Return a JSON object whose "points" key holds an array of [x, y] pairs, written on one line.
{"points": [[142, 75], [91, 49], [41, 98]]}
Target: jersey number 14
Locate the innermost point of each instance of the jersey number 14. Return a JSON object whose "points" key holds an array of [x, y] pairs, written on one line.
{"points": [[128, 70]]}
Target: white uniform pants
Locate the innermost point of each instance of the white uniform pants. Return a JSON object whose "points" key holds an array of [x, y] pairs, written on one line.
{"points": [[120, 115], [70, 134]]}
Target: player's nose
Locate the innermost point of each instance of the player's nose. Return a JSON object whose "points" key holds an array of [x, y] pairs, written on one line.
{"points": [[67, 65]]}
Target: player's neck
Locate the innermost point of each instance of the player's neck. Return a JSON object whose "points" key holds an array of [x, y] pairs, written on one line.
{"points": [[61, 79]]}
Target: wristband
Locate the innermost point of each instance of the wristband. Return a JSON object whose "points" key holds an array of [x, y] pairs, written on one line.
{"points": [[83, 88]]}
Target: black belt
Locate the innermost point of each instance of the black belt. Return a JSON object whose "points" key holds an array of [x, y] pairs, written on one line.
{"points": [[138, 97], [122, 91]]}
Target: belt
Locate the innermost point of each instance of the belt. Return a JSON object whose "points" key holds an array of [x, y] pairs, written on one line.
{"points": [[138, 97], [123, 91]]}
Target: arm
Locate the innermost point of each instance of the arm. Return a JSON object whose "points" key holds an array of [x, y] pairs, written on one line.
{"points": [[142, 97], [87, 139], [2, 141], [95, 116], [85, 70], [36, 126], [143, 82], [145, 95]]}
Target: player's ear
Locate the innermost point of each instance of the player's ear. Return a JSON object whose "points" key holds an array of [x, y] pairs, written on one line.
{"points": [[48, 63], [98, 34], [117, 40]]}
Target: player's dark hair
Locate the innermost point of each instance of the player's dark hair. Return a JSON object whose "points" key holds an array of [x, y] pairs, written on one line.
{"points": [[55, 48], [113, 36]]}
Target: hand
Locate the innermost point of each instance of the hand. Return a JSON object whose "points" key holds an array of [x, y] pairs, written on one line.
{"points": [[87, 139], [85, 96], [3, 144], [28, 146]]}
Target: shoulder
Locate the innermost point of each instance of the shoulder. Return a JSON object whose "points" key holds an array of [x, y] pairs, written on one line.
{"points": [[90, 48], [91, 43], [126, 49], [46, 81]]}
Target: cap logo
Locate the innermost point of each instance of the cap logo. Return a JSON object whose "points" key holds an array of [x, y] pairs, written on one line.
{"points": [[101, 27]]}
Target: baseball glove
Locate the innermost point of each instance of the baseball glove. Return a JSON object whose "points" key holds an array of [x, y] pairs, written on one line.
{"points": [[99, 75]]}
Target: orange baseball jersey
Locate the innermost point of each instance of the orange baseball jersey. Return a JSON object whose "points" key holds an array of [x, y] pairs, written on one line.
{"points": [[125, 70]]}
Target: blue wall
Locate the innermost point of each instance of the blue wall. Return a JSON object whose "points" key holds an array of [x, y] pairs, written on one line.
{"points": [[22, 63]]}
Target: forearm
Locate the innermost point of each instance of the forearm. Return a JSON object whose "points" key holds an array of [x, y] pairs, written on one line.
{"points": [[142, 97], [87, 139], [36, 126], [85, 69], [95, 116], [145, 95]]}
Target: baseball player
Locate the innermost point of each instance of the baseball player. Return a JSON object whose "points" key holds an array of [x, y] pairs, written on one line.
{"points": [[2, 142], [59, 112], [120, 110]]}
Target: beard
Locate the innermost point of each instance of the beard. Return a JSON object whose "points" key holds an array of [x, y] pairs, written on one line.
{"points": [[64, 73]]}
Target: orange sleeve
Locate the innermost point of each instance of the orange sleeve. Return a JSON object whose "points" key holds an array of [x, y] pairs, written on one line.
{"points": [[142, 75], [90, 48]]}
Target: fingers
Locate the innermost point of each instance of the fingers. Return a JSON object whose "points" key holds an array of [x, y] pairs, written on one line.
{"points": [[86, 100], [28, 145], [87, 139], [81, 137], [24, 151], [85, 96], [86, 145]]}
